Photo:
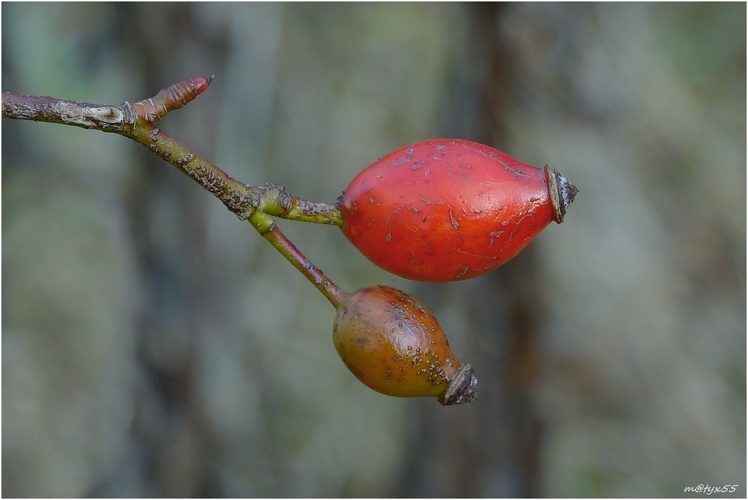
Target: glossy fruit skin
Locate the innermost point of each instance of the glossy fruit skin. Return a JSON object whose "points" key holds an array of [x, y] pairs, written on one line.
{"points": [[448, 209], [393, 344]]}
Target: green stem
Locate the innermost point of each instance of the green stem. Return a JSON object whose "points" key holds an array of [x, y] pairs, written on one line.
{"points": [[267, 228], [238, 197]]}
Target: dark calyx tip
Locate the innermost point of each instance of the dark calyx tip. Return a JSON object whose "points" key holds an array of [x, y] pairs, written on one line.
{"points": [[462, 388], [562, 192]]}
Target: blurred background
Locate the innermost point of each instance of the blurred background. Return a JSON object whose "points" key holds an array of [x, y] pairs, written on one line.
{"points": [[153, 345]]}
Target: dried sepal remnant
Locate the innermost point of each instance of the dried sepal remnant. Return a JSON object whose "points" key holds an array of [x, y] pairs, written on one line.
{"points": [[562, 193], [462, 387], [449, 209], [393, 344], [172, 97]]}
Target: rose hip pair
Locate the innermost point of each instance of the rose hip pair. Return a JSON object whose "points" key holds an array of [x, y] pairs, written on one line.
{"points": [[439, 210]]}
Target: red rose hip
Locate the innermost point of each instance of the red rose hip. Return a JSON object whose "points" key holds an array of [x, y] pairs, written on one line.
{"points": [[449, 209]]}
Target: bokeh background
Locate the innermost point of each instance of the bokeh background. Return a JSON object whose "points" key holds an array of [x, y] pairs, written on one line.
{"points": [[153, 345]]}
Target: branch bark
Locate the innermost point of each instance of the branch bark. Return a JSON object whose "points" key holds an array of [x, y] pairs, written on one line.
{"points": [[79, 114], [136, 122]]}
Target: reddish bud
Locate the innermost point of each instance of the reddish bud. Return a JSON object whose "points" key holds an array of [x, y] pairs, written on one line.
{"points": [[172, 97]]}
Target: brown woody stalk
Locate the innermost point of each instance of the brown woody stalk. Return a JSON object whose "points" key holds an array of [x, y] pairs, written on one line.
{"points": [[137, 122]]}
